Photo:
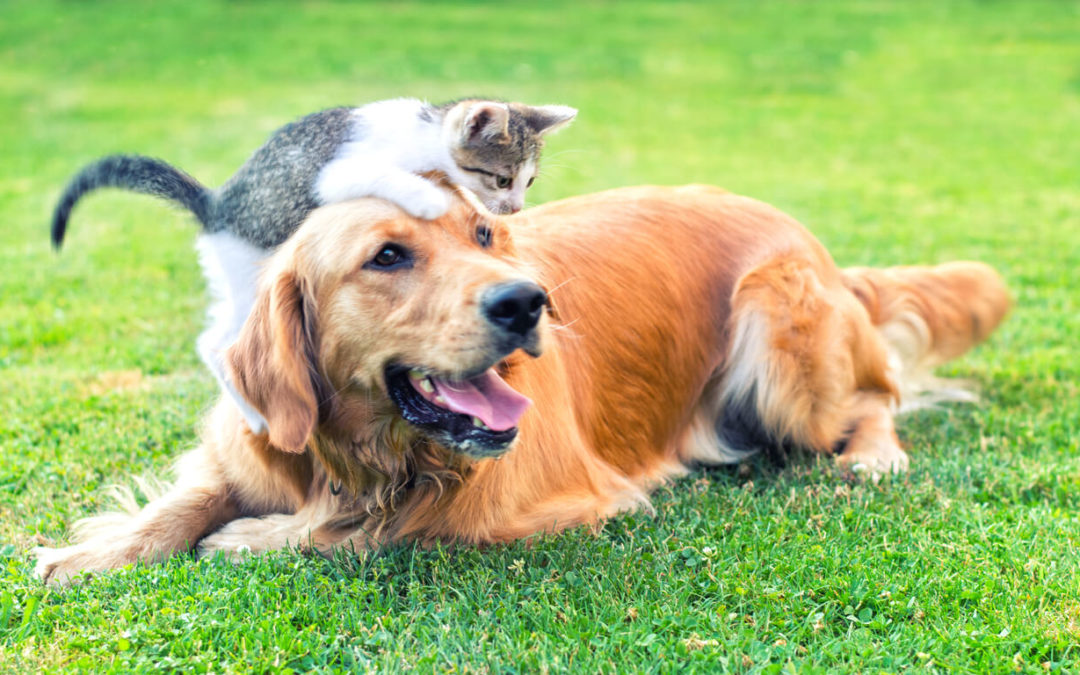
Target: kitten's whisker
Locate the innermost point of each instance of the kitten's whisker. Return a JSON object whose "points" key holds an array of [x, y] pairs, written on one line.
{"points": [[542, 173], [563, 152]]}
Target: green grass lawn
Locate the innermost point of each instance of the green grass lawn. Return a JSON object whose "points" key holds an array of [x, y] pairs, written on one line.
{"points": [[900, 132]]}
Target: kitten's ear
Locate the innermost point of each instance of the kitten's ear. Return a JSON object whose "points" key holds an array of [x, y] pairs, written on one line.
{"points": [[486, 122], [543, 119], [271, 363]]}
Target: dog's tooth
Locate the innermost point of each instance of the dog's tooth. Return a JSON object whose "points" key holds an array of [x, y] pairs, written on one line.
{"points": [[426, 385], [440, 400], [416, 374], [477, 422]]}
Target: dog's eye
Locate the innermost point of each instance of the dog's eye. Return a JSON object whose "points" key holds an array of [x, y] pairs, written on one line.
{"points": [[390, 257], [503, 182], [531, 181], [483, 236]]}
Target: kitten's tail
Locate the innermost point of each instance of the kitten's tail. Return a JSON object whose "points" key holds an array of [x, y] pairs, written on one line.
{"points": [[133, 172]]}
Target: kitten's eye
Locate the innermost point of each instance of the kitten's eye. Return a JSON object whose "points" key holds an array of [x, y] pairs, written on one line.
{"points": [[483, 236], [390, 257], [503, 182], [531, 181]]}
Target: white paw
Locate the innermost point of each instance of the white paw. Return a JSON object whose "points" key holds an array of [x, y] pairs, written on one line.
{"points": [[428, 204]]}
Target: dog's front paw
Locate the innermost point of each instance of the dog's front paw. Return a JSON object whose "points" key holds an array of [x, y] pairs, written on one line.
{"points": [[248, 535], [59, 565], [222, 547], [228, 543]]}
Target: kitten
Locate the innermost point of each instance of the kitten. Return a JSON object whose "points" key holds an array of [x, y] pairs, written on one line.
{"points": [[376, 150]]}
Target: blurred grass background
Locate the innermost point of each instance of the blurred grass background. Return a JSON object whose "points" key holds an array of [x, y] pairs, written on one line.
{"points": [[900, 132]]}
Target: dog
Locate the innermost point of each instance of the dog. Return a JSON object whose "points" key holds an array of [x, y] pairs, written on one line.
{"points": [[481, 378]]}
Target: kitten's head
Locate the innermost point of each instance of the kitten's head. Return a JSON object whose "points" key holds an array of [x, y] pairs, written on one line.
{"points": [[496, 147]]}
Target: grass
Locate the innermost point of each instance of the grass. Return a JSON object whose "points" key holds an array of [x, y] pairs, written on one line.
{"points": [[899, 132]]}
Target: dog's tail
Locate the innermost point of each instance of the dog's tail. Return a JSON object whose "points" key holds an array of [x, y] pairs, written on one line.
{"points": [[928, 315], [132, 172]]}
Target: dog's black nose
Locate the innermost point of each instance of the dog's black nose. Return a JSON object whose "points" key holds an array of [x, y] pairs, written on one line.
{"points": [[515, 307]]}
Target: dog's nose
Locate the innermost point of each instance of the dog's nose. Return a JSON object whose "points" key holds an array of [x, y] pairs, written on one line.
{"points": [[515, 306]]}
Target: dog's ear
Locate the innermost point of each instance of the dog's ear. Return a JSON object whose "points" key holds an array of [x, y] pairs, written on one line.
{"points": [[271, 363]]}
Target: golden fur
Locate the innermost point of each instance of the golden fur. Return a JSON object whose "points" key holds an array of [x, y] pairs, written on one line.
{"points": [[686, 325]]}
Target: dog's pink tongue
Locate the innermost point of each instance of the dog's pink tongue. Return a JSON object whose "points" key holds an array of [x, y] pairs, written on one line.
{"points": [[485, 396]]}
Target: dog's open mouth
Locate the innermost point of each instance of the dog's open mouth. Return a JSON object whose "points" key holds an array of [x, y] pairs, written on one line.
{"points": [[477, 416]]}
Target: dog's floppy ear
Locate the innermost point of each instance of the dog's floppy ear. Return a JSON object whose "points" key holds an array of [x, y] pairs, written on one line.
{"points": [[271, 363]]}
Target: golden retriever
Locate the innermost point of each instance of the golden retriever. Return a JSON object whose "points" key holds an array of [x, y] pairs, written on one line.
{"points": [[480, 378]]}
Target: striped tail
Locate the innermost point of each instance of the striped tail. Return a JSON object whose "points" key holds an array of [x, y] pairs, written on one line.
{"points": [[132, 172]]}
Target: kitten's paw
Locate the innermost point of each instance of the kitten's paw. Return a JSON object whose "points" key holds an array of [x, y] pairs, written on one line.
{"points": [[428, 204]]}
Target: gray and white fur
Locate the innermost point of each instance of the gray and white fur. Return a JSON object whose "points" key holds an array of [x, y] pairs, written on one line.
{"points": [[377, 150]]}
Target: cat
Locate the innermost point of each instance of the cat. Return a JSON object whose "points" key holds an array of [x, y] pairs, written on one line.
{"points": [[376, 150]]}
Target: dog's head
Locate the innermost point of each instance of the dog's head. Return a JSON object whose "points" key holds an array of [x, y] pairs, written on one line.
{"points": [[368, 307]]}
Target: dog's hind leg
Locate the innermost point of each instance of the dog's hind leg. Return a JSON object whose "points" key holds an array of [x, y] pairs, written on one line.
{"points": [[805, 369], [305, 529], [872, 445], [170, 523]]}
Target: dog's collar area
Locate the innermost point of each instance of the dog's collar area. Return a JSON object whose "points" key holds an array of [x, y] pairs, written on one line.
{"points": [[459, 430]]}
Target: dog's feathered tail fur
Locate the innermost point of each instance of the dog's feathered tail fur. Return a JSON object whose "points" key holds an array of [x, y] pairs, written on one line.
{"points": [[927, 316]]}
